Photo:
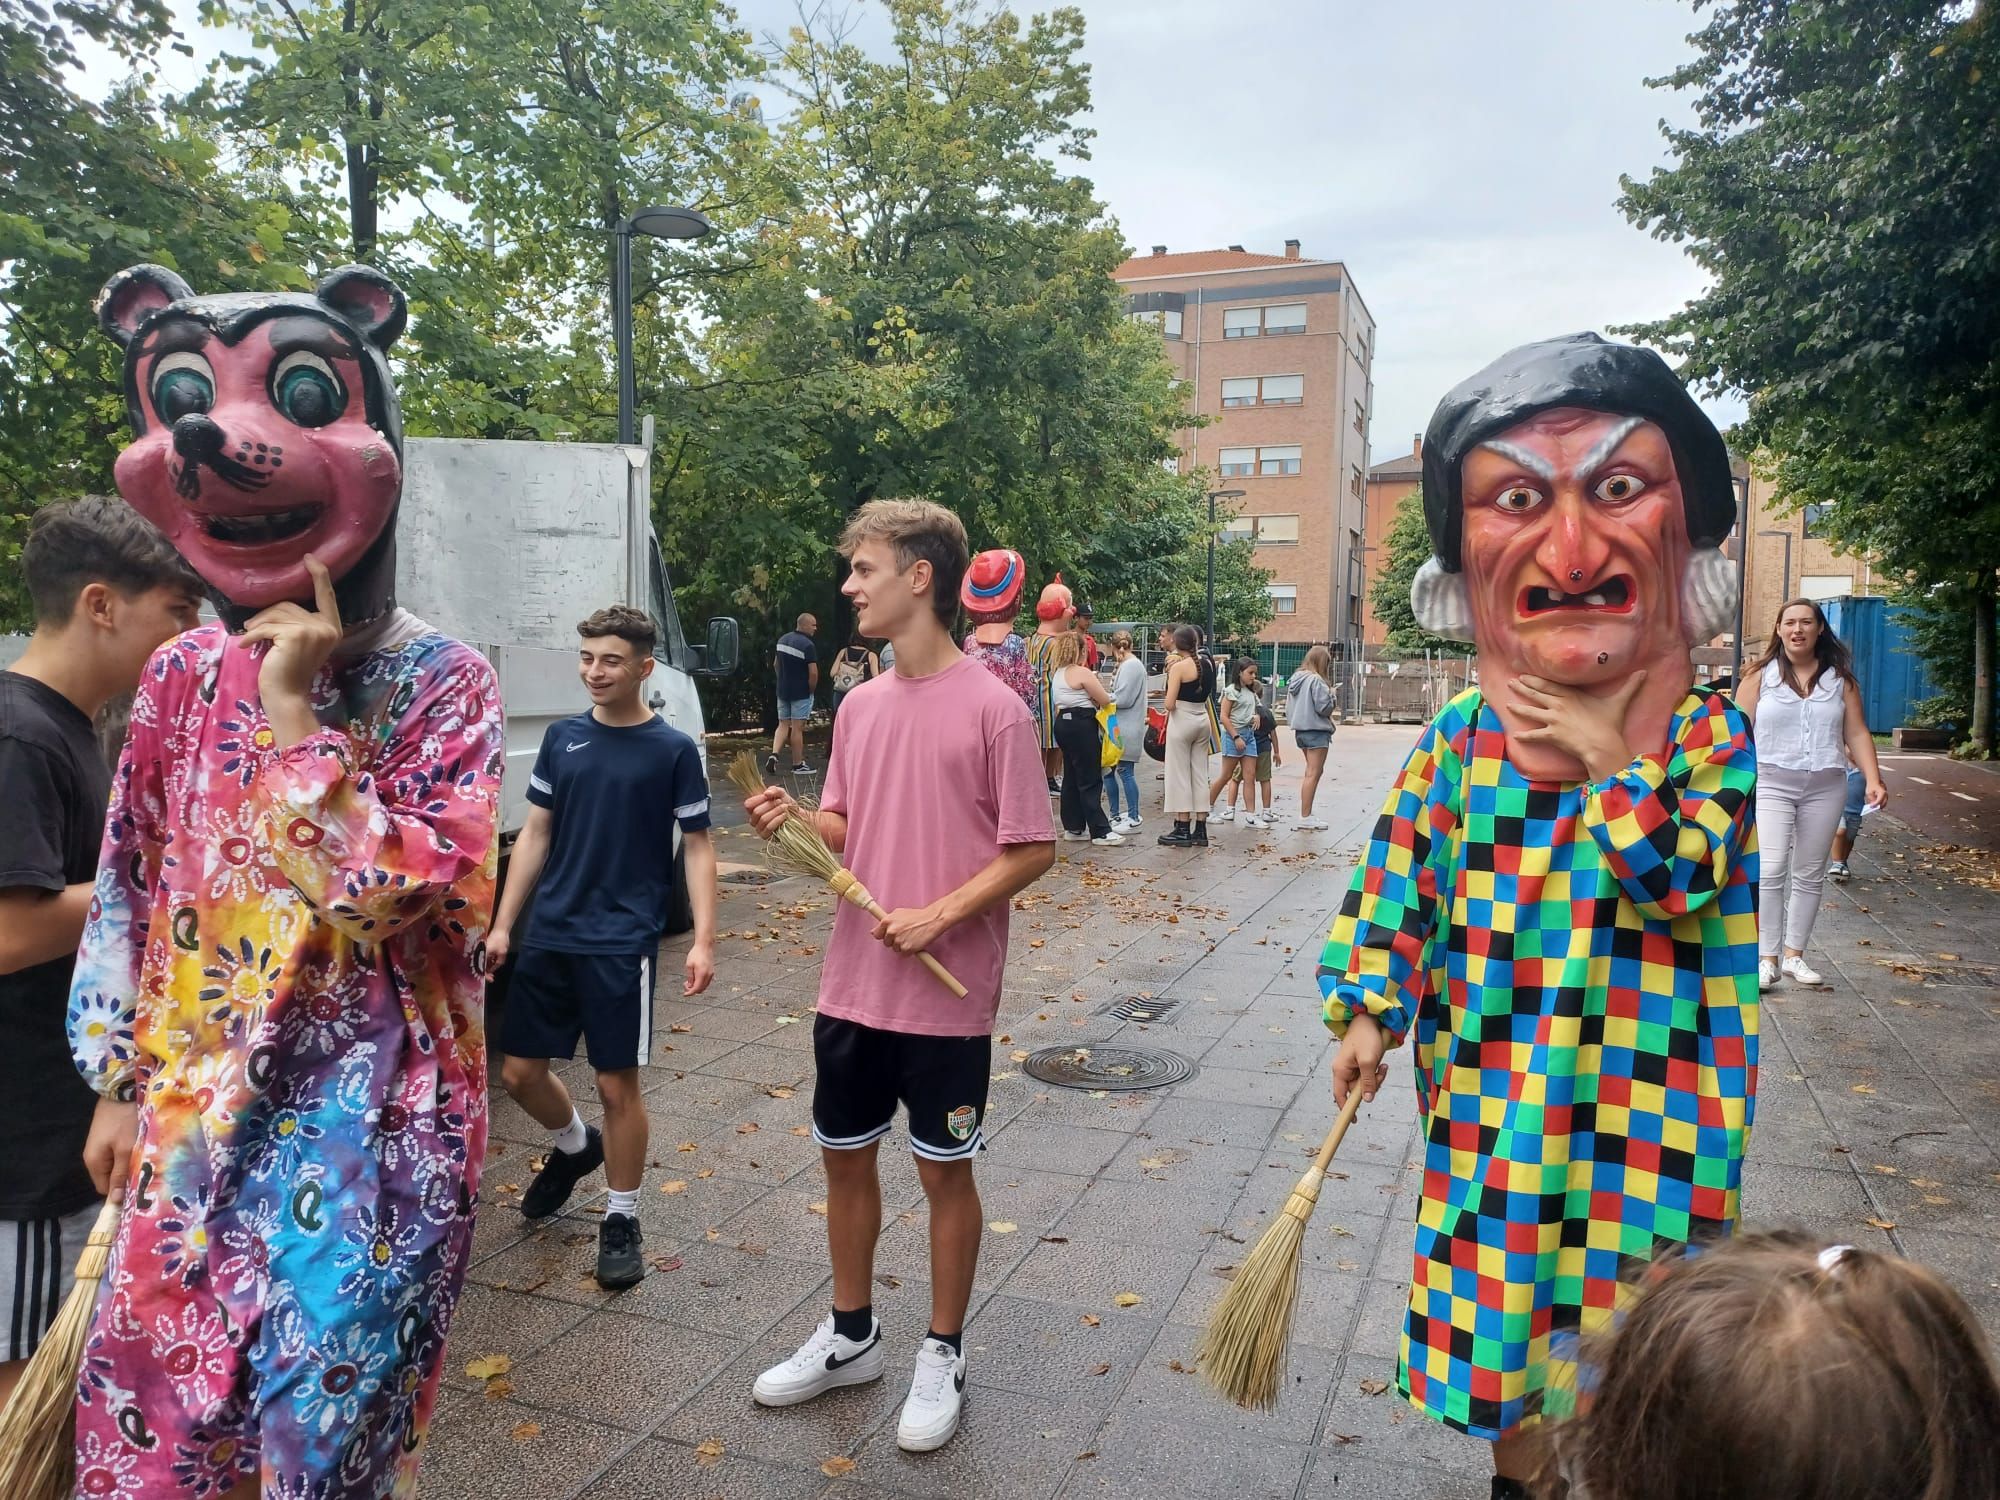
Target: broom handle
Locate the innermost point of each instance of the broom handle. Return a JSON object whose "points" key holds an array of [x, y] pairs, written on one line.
{"points": [[849, 889], [97, 1248], [1306, 1195]]}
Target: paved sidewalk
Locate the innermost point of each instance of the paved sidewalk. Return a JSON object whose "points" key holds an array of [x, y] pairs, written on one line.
{"points": [[1878, 1124]]}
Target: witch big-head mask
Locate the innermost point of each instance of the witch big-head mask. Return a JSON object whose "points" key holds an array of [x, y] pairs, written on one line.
{"points": [[1575, 496], [266, 428]]}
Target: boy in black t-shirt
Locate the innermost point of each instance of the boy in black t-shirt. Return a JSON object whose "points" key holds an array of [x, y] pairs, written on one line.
{"points": [[608, 791], [798, 680], [106, 589]]}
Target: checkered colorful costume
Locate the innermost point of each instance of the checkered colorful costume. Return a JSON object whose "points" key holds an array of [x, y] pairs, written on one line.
{"points": [[1578, 965]]}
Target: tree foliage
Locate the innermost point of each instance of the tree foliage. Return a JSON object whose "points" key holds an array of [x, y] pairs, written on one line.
{"points": [[1406, 549], [1842, 187]]}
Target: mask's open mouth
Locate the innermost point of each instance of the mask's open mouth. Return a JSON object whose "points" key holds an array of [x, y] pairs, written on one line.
{"points": [[1613, 595], [261, 530]]}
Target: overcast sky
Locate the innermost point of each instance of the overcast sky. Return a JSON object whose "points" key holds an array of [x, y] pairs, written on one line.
{"points": [[1461, 156]]}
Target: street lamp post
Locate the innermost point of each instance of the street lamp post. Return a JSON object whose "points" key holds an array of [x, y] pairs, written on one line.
{"points": [[1213, 496], [1741, 484], [664, 223]]}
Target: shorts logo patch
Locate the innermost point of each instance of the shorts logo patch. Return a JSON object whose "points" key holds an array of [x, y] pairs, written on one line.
{"points": [[961, 1121]]}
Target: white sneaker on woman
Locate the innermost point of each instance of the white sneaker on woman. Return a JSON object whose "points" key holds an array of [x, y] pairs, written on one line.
{"points": [[1132, 821], [1251, 820], [1227, 815], [1794, 968], [1767, 973], [1309, 821]]}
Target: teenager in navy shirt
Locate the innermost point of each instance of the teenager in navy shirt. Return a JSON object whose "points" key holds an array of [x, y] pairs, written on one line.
{"points": [[798, 679], [608, 790]]}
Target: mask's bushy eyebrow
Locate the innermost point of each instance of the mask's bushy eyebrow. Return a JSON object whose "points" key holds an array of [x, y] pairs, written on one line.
{"points": [[1514, 453], [1609, 444]]}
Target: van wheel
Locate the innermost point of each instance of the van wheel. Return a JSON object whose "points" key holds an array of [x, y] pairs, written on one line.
{"points": [[680, 911]]}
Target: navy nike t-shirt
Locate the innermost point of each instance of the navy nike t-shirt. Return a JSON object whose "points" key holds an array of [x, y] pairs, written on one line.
{"points": [[614, 796]]}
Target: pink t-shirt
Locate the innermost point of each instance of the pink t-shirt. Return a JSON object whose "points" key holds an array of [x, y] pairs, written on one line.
{"points": [[935, 775]]}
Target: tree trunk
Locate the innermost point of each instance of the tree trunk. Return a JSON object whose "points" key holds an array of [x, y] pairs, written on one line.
{"points": [[1982, 665]]}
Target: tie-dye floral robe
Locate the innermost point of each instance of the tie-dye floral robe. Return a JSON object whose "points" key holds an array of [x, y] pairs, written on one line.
{"points": [[280, 969]]}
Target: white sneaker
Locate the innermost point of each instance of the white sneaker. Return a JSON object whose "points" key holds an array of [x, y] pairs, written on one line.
{"points": [[937, 1391], [1251, 820], [1309, 821], [1109, 840], [1794, 967], [1227, 815], [1767, 973], [1133, 821], [1075, 838], [824, 1361]]}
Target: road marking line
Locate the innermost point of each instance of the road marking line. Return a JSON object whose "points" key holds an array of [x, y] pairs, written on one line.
{"points": [[1964, 797], [1921, 782]]}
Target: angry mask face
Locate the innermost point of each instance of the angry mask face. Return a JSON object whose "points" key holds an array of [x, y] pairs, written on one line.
{"points": [[266, 429]]}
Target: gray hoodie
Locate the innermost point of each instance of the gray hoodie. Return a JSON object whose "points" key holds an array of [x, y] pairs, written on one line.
{"points": [[1311, 702]]}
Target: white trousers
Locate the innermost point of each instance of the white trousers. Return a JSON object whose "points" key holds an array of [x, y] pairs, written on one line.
{"points": [[1187, 760], [1797, 815]]}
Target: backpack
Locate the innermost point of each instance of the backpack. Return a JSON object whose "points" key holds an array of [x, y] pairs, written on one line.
{"points": [[849, 674]]}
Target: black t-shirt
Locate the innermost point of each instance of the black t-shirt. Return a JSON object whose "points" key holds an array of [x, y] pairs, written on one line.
{"points": [[795, 659], [54, 786], [614, 795]]}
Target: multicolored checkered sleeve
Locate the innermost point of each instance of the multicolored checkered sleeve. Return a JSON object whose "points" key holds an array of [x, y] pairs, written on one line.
{"points": [[1671, 830], [1378, 957]]}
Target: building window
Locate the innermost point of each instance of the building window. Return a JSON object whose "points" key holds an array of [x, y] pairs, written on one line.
{"points": [[1280, 460], [1357, 484], [1284, 598], [1235, 462], [1361, 419], [1171, 465], [1267, 390], [1826, 585], [1250, 322], [1242, 322], [1271, 529], [1167, 320], [1816, 520], [1239, 529]]}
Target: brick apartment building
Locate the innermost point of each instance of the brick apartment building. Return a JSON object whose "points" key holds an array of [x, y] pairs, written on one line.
{"points": [[1276, 351], [1390, 483]]}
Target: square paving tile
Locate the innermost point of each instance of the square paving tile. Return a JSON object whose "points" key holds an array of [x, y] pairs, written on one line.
{"points": [[656, 1470], [1135, 1456], [591, 1371], [480, 1450], [1092, 1277], [1008, 1445]]}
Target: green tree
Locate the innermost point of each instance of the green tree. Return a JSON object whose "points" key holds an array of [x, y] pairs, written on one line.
{"points": [[1841, 188], [1407, 548], [1152, 564]]}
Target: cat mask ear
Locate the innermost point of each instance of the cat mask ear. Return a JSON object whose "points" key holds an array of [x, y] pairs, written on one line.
{"points": [[134, 295], [369, 300]]}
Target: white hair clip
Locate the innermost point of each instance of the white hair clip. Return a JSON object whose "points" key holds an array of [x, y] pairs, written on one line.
{"points": [[1831, 1257]]}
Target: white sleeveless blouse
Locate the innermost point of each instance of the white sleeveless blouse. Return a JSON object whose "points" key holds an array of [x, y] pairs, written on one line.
{"points": [[1802, 734]]}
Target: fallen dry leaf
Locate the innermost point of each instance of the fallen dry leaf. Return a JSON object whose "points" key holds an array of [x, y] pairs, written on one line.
{"points": [[1374, 1387], [1874, 1223], [1055, 1239], [705, 1173], [666, 1263], [1018, 1055], [748, 1127], [817, 1208], [526, 1431], [673, 1186], [1862, 1088], [836, 1466], [1128, 1299], [680, 1028], [1091, 1320], [709, 1453], [488, 1365], [781, 1092], [1101, 1370], [499, 1388], [1003, 1226], [686, 1146]]}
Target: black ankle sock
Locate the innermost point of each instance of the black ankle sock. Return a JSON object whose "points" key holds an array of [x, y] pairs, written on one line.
{"points": [[956, 1340], [855, 1326]]}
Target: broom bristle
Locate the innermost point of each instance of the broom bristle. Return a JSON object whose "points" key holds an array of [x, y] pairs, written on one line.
{"points": [[797, 845], [38, 1426], [1243, 1352]]}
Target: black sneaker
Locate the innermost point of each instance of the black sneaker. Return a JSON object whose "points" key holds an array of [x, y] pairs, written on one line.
{"points": [[619, 1261], [561, 1173], [771, 762], [802, 769]]}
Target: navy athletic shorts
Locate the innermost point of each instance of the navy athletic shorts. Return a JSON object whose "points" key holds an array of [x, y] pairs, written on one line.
{"points": [[605, 998]]}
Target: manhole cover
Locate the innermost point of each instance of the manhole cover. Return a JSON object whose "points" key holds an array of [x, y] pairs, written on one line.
{"points": [[1140, 1008], [1111, 1068]]}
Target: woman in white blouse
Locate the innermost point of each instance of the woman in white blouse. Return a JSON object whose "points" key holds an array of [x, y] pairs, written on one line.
{"points": [[1805, 704]]}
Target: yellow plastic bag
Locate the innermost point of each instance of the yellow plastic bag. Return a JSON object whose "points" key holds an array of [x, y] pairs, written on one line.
{"points": [[1111, 751]]}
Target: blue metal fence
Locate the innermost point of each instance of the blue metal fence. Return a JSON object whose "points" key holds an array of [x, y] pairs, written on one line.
{"points": [[1892, 675]]}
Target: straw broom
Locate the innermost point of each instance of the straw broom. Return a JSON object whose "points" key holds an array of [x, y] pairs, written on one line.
{"points": [[797, 846], [1243, 1353], [38, 1428]]}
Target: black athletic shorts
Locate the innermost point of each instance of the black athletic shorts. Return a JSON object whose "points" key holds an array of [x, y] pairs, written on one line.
{"points": [[864, 1073], [605, 998]]}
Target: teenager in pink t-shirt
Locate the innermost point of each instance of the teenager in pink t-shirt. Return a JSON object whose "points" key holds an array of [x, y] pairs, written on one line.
{"points": [[935, 800]]}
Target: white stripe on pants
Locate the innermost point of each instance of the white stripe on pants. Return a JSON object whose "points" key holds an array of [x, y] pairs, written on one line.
{"points": [[1187, 760], [1797, 813]]}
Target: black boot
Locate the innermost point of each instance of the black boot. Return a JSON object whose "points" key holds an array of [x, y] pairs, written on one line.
{"points": [[1177, 838], [1199, 838], [1509, 1489]]}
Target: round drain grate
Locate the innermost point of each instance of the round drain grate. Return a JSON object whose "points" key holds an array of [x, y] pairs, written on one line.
{"points": [[1110, 1068]]}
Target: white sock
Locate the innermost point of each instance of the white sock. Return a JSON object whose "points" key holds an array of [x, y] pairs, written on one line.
{"points": [[623, 1203], [572, 1138]]}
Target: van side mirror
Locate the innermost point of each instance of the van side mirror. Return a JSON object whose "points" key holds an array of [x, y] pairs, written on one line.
{"points": [[723, 651]]}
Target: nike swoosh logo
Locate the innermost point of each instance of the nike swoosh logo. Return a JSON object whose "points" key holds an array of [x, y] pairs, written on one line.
{"points": [[577, 746], [958, 1382], [835, 1362]]}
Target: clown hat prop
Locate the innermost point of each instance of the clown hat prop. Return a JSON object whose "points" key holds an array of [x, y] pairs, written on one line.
{"points": [[1055, 601], [992, 587]]}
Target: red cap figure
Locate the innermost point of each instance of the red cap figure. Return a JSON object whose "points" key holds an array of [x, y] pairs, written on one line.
{"points": [[991, 592], [1056, 609]]}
